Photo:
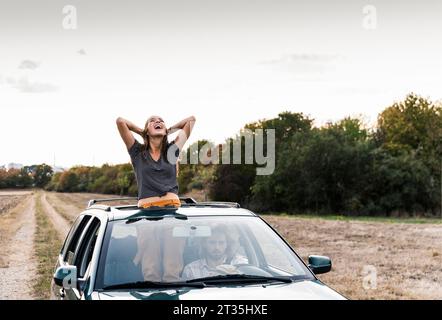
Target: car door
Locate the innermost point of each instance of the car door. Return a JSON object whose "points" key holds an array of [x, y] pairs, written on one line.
{"points": [[68, 250], [82, 258]]}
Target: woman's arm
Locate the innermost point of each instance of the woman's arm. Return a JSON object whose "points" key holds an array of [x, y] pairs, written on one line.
{"points": [[180, 125], [125, 127], [186, 126]]}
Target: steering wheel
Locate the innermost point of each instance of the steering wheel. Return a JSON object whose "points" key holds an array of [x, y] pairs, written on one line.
{"points": [[251, 270], [225, 269]]}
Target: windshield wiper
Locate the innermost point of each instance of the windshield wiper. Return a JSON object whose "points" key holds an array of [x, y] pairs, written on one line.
{"points": [[240, 278], [154, 284]]}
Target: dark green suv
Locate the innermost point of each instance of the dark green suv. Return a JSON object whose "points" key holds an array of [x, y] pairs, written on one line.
{"points": [[202, 251]]}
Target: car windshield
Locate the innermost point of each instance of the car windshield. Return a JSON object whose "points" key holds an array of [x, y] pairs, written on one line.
{"points": [[172, 250]]}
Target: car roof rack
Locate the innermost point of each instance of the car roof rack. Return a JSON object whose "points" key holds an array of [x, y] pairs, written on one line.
{"points": [[94, 201], [186, 201], [221, 204]]}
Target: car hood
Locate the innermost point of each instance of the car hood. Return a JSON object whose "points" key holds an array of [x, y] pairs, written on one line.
{"points": [[301, 290]]}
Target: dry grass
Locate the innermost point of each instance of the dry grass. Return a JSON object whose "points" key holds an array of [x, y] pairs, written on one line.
{"points": [[67, 210], [80, 200], [47, 246], [406, 257], [7, 202]]}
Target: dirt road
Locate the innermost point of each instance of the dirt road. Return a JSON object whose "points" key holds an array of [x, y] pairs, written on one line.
{"points": [[60, 223], [17, 262]]}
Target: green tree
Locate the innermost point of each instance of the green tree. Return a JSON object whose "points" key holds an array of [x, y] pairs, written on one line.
{"points": [[399, 183], [236, 181], [125, 178], [68, 182], [231, 182], [23, 179], [412, 124], [195, 176], [320, 170], [42, 175]]}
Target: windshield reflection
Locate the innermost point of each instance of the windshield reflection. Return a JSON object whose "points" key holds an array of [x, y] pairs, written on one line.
{"points": [[176, 250]]}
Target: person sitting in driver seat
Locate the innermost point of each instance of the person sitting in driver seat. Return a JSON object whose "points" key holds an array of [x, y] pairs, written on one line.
{"points": [[214, 257]]}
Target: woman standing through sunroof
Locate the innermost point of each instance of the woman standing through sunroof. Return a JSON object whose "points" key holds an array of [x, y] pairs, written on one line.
{"points": [[155, 161], [155, 165]]}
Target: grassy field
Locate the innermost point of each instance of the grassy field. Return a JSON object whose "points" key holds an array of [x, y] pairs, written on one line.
{"points": [[337, 217], [373, 257], [47, 246]]}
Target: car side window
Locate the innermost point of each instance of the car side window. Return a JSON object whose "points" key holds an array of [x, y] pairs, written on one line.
{"points": [[74, 238], [86, 248], [70, 233]]}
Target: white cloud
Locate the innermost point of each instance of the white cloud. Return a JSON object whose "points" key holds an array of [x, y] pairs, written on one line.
{"points": [[24, 85], [29, 64], [305, 57], [305, 65]]}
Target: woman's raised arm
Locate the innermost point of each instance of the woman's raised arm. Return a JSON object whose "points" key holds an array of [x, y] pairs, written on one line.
{"points": [[186, 127], [125, 127]]}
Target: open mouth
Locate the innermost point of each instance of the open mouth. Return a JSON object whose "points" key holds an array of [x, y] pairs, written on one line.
{"points": [[157, 126]]}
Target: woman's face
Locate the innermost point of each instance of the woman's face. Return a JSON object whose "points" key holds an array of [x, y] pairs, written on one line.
{"points": [[156, 127]]}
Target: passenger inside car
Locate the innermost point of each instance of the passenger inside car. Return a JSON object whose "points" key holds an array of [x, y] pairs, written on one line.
{"points": [[218, 255]]}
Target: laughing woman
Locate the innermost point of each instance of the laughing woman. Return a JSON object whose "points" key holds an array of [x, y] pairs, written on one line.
{"points": [[155, 165], [155, 161]]}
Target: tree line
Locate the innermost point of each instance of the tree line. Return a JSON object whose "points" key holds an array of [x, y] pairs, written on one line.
{"points": [[345, 167], [28, 176], [341, 167]]}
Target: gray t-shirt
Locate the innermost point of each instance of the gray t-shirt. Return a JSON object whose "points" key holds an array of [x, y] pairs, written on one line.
{"points": [[154, 178]]}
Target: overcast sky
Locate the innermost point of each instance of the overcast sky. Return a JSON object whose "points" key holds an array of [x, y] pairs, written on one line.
{"points": [[225, 62]]}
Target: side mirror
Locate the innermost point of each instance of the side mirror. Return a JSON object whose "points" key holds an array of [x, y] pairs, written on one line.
{"points": [[66, 277], [319, 264]]}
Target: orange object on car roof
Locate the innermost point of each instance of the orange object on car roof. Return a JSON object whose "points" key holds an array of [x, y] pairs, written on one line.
{"points": [[162, 203]]}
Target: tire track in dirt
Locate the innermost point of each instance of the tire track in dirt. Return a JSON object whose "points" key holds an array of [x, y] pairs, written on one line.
{"points": [[60, 224], [19, 266], [67, 209]]}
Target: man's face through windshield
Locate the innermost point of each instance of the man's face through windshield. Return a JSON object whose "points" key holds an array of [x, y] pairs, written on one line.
{"points": [[215, 246]]}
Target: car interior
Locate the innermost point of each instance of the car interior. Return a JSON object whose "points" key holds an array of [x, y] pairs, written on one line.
{"points": [[120, 267]]}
